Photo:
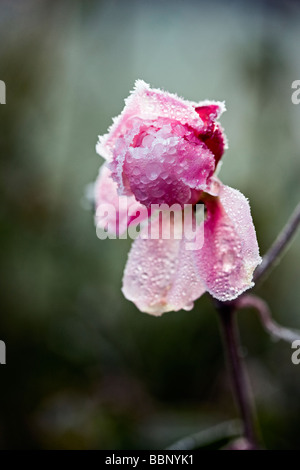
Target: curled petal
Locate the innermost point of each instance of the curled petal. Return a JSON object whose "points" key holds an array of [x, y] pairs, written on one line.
{"points": [[230, 252], [148, 103], [216, 141], [212, 133], [168, 163], [160, 275], [120, 211]]}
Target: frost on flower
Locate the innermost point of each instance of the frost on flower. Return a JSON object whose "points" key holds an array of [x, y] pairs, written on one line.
{"points": [[165, 150], [161, 148]]}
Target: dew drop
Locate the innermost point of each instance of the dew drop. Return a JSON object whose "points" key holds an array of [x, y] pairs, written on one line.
{"points": [[153, 170]]}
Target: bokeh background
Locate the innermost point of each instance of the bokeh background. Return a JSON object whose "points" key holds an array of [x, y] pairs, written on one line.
{"points": [[85, 369]]}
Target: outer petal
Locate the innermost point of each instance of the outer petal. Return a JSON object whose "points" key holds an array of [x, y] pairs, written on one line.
{"points": [[168, 162], [160, 275], [148, 103], [230, 251], [212, 134], [105, 192], [187, 285]]}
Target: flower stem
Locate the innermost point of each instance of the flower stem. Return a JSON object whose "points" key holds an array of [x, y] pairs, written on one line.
{"points": [[277, 331], [237, 371], [281, 243]]}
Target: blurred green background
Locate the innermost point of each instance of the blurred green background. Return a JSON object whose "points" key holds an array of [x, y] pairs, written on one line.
{"points": [[85, 369]]}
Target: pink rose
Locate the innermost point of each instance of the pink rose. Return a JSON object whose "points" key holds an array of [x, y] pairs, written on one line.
{"points": [[165, 150]]}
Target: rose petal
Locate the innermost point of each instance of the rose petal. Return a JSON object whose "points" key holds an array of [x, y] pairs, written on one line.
{"points": [[163, 167], [212, 134], [121, 210], [216, 142], [214, 186], [160, 275], [230, 251], [208, 112], [148, 103], [187, 285]]}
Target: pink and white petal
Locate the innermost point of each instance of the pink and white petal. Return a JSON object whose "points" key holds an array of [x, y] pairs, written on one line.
{"points": [[168, 169], [125, 210], [120, 150], [148, 103], [238, 209], [230, 252], [160, 275], [187, 285]]}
